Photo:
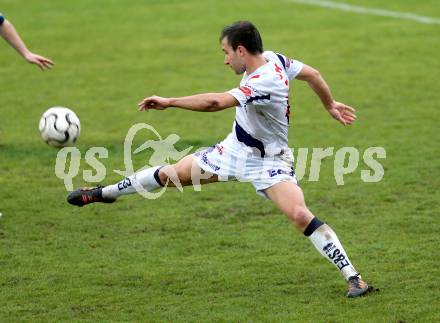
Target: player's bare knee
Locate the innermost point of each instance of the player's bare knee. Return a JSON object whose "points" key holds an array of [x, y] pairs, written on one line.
{"points": [[300, 216], [174, 174], [183, 175], [164, 174]]}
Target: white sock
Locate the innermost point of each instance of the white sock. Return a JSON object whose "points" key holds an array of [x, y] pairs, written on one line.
{"points": [[327, 243], [147, 178]]}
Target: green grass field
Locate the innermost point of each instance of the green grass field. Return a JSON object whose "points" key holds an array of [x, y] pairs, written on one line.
{"points": [[223, 254]]}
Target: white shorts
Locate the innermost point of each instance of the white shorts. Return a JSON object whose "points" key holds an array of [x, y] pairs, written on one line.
{"points": [[232, 160]]}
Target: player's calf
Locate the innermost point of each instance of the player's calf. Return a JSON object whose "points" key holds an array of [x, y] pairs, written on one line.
{"points": [[147, 179], [289, 198]]}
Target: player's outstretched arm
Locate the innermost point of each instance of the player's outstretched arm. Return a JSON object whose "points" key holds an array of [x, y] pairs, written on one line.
{"points": [[207, 102], [339, 111], [8, 32]]}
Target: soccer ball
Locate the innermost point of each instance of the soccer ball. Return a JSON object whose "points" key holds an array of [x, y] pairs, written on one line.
{"points": [[59, 127]]}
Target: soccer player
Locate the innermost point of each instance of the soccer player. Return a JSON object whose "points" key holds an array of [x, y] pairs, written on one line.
{"points": [[8, 32], [256, 150]]}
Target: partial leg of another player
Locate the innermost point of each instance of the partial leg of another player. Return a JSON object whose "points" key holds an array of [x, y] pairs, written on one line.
{"points": [[290, 200], [183, 173]]}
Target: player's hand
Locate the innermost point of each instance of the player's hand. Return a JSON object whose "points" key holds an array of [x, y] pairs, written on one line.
{"points": [[154, 102], [342, 112], [42, 62]]}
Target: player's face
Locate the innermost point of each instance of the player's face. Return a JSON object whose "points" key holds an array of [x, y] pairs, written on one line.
{"points": [[233, 58]]}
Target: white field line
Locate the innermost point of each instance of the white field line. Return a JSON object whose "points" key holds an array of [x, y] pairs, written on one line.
{"points": [[369, 11]]}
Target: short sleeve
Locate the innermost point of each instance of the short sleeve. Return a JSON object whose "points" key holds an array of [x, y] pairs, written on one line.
{"points": [[292, 66], [2, 18], [253, 92]]}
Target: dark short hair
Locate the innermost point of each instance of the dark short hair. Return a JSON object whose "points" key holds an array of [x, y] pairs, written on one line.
{"points": [[243, 33]]}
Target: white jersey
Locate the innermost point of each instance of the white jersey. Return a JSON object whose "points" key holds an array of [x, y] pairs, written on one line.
{"points": [[262, 118]]}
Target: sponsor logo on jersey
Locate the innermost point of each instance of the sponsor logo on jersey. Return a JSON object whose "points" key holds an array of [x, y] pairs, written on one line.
{"points": [[275, 172], [205, 159], [219, 149], [246, 90]]}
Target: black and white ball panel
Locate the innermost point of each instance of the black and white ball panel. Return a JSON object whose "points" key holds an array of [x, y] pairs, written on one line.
{"points": [[59, 127]]}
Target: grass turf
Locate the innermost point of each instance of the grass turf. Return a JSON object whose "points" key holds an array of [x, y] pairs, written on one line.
{"points": [[222, 254]]}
